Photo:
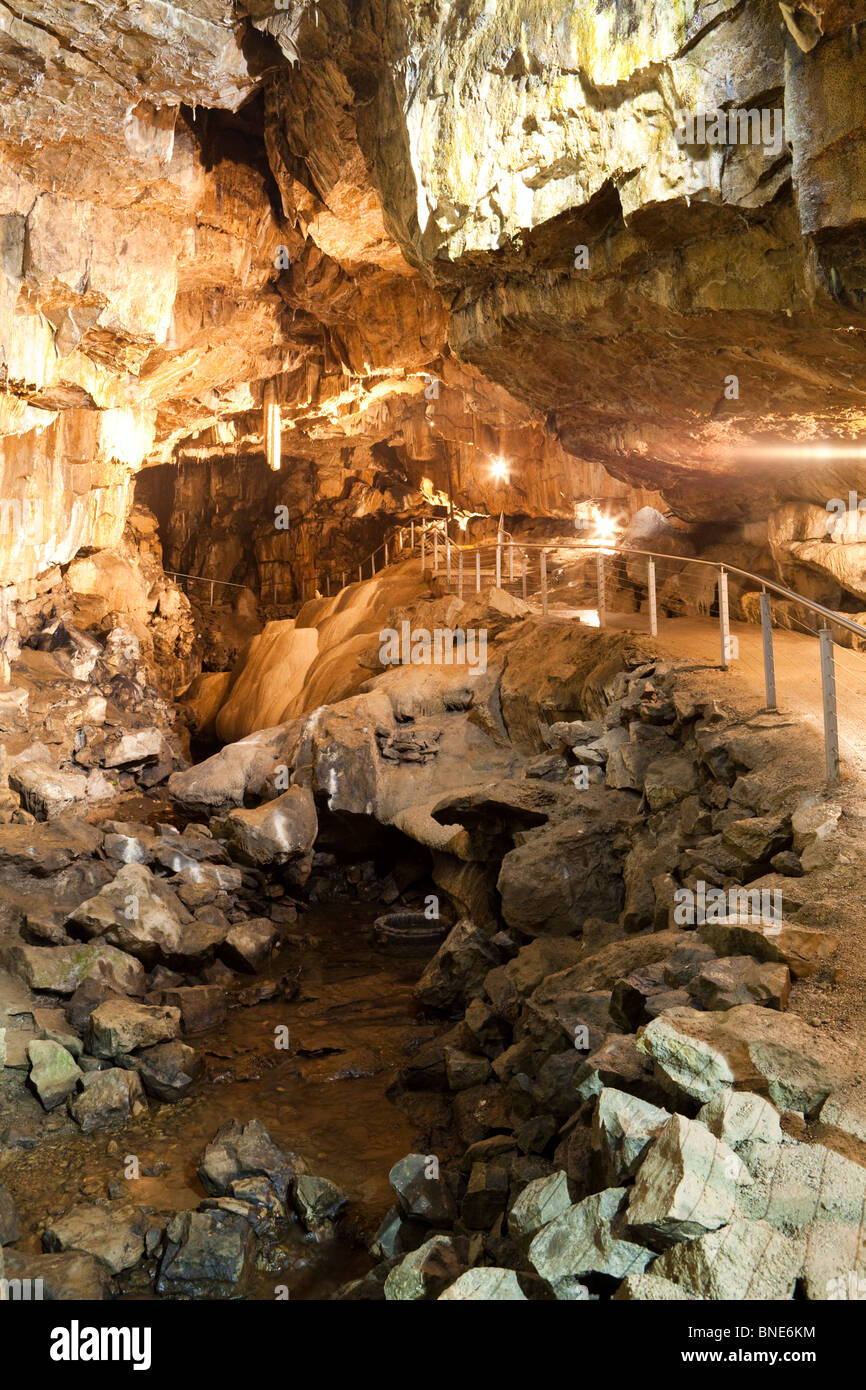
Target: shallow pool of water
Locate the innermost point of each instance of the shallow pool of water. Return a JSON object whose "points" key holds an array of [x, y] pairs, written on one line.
{"points": [[321, 1095]]}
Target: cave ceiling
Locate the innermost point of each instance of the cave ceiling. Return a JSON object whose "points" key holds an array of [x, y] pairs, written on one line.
{"points": [[445, 232]]}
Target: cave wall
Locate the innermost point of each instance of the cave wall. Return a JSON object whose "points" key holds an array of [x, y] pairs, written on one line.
{"points": [[236, 521], [133, 275], [375, 208]]}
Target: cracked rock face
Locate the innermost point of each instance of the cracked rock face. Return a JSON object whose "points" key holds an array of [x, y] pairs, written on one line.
{"points": [[434, 235]]}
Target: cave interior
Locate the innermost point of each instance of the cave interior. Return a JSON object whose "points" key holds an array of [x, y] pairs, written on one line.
{"points": [[432, 565]]}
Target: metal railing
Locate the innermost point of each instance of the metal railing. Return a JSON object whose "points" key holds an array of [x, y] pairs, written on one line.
{"points": [[529, 570], [612, 564], [533, 571], [400, 539], [201, 579]]}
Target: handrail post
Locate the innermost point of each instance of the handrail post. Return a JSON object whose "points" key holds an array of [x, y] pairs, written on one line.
{"points": [[211, 593], [828, 696], [460, 574], [498, 564], [386, 555], [412, 534], [373, 564], [423, 549], [511, 562], [478, 571], [599, 575], [767, 634], [448, 557], [435, 552], [359, 574], [525, 564], [544, 582], [653, 611], [724, 620]]}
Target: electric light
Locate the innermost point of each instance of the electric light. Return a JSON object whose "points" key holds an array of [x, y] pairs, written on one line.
{"points": [[499, 470], [589, 617], [271, 426], [803, 452], [606, 531]]}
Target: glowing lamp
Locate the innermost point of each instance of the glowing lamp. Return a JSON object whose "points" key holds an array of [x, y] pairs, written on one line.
{"points": [[606, 531], [271, 423]]}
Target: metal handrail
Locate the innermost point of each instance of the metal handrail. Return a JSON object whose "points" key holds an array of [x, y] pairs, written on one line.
{"points": [[827, 613], [728, 644], [506, 543], [204, 579], [431, 523]]}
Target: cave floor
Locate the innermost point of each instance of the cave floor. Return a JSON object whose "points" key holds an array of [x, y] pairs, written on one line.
{"points": [[324, 1095], [798, 682]]}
